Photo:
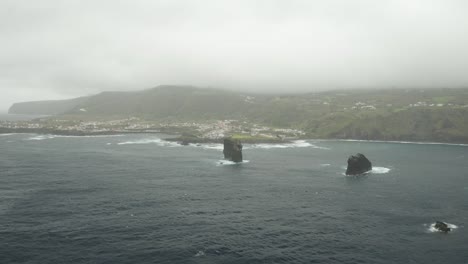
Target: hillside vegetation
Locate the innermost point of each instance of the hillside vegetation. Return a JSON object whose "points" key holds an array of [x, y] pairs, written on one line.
{"points": [[416, 115]]}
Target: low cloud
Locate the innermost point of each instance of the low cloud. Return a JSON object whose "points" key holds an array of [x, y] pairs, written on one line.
{"points": [[59, 49]]}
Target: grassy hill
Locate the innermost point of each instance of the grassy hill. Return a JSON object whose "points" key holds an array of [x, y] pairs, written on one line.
{"points": [[176, 102], [417, 115]]}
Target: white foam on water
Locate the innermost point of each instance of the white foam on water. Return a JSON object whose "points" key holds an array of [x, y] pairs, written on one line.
{"points": [[375, 170], [325, 165], [356, 175], [431, 228], [41, 137], [228, 162], [141, 141], [396, 142], [425, 143], [165, 143], [213, 146], [157, 141], [5, 135], [379, 170], [200, 254], [294, 144], [90, 136]]}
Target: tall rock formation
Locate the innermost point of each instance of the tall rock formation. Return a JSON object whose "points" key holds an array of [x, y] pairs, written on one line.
{"points": [[232, 149]]}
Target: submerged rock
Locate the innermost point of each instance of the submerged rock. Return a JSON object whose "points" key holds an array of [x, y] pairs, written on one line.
{"points": [[441, 226], [358, 164], [232, 149], [184, 143]]}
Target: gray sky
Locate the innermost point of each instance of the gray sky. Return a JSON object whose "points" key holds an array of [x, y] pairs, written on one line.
{"points": [[53, 49]]}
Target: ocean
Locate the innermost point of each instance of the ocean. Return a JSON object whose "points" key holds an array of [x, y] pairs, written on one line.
{"points": [[139, 199]]}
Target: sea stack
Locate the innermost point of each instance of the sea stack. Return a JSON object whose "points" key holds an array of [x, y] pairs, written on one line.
{"points": [[441, 226], [232, 149], [358, 164]]}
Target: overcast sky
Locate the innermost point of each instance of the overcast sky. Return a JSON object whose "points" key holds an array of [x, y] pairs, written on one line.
{"points": [[53, 49]]}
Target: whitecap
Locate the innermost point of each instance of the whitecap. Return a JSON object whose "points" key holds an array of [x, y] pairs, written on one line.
{"points": [[142, 141], [294, 144], [228, 162], [379, 170], [375, 170], [10, 134], [156, 141], [41, 137], [397, 142], [213, 146], [200, 254], [325, 165], [88, 136], [432, 228]]}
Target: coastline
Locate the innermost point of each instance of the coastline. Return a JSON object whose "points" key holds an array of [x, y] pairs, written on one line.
{"points": [[196, 140], [44, 131], [394, 141]]}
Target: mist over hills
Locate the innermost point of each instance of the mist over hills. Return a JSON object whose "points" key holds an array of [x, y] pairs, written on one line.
{"points": [[49, 107], [418, 115]]}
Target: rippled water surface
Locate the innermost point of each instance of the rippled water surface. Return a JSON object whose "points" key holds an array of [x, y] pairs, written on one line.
{"points": [[138, 199]]}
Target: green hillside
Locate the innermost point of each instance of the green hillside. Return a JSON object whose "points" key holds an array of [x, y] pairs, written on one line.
{"points": [[417, 115], [165, 102]]}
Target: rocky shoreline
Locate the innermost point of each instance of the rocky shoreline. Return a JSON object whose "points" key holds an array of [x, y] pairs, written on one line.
{"points": [[198, 140], [183, 140], [46, 131]]}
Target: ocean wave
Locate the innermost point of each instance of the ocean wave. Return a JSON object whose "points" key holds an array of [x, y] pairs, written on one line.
{"points": [[379, 170], [294, 144], [228, 162], [41, 137], [157, 141], [86, 136], [219, 147], [91, 136], [213, 146], [396, 142], [431, 228], [375, 170], [10, 134]]}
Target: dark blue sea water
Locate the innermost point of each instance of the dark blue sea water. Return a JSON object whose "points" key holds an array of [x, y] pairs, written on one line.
{"points": [[136, 199]]}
